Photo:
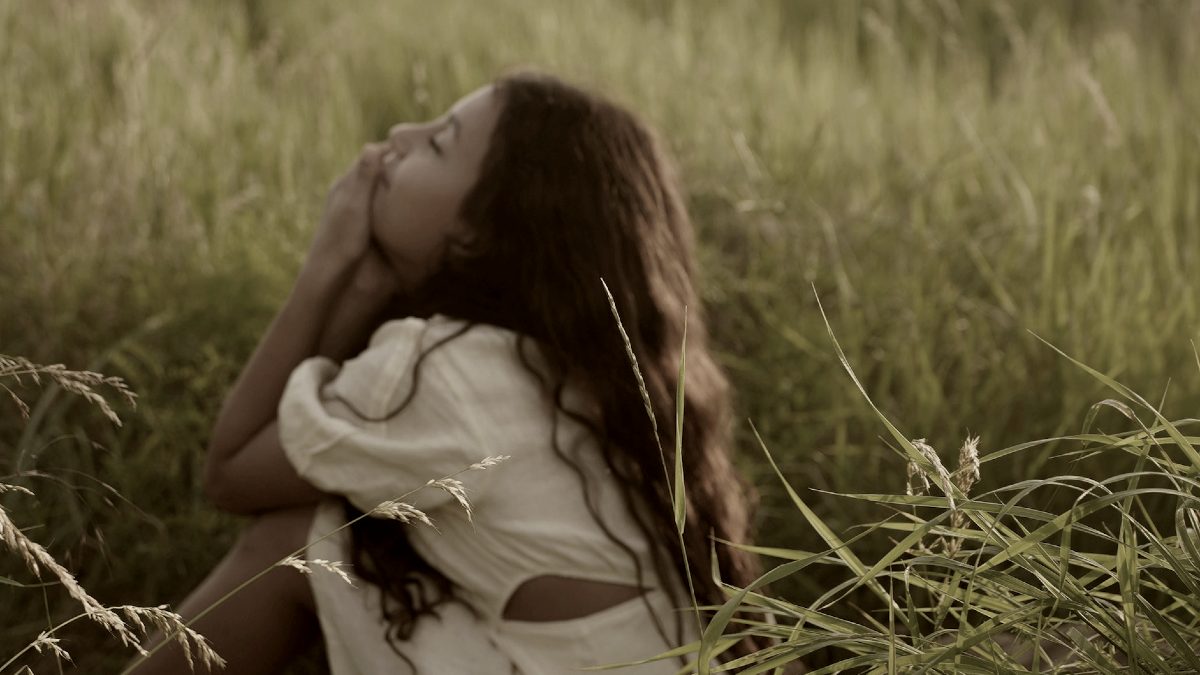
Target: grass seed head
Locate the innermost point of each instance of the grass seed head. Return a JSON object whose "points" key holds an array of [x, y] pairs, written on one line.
{"points": [[172, 625], [305, 566], [942, 478], [37, 558], [45, 642], [456, 490], [967, 472], [488, 462], [398, 510]]}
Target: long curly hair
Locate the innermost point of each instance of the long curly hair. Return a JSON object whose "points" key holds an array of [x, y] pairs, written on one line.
{"points": [[575, 189]]}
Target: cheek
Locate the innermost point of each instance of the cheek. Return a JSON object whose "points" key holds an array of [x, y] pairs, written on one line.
{"points": [[411, 222]]}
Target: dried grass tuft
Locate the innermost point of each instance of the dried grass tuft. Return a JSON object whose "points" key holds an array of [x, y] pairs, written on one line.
{"points": [[171, 624], [398, 510], [45, 642], [942, 477], [37, 559], [488, 462], [80, 382], [456, 489], [304, 566]]}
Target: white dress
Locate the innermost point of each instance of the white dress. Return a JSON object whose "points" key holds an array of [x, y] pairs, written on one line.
{"points": [[344, 431]]}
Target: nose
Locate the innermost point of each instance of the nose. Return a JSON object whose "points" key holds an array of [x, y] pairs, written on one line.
{"points": [[402, 137]]}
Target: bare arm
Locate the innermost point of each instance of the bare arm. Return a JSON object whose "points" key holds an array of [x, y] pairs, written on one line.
{"points": [[246, 470], [360, 308]]}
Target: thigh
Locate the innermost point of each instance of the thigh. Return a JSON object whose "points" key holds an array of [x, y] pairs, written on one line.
{"points": [[263, 625]]}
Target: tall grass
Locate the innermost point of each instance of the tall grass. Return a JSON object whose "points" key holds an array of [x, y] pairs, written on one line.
{"points": [[949, 176], [993, 583]]}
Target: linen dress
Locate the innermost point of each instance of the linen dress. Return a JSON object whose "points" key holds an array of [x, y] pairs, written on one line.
{"points": [[360, 431]]}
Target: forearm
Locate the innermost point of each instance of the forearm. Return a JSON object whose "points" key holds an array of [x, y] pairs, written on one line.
{"points": [[293, 336], [354, 318]]}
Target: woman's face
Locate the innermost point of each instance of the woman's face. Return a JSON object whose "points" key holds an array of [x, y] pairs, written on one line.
{"points": [[428, 169]]}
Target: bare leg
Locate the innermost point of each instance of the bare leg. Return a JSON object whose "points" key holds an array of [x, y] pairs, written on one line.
{"points": [[262, 627]]}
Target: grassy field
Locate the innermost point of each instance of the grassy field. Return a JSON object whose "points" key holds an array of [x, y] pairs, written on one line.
{"points": [[951, 179]]}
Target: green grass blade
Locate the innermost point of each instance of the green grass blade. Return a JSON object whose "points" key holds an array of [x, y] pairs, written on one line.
{"points": [[680, 502], [716, 627], [834, 542], [1121, 389]]}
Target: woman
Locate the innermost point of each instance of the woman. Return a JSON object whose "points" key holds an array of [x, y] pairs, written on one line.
{"points": [[471, 252]]}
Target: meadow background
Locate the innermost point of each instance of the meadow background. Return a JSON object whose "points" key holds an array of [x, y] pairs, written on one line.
{"points": [[949, 178]]}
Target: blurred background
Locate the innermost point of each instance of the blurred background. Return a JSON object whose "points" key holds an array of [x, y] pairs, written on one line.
{"points": [[950, 179]]}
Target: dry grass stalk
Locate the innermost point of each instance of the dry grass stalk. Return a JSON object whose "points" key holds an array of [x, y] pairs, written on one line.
{"points": [[943, 476], [912, 489], [6, 487], [488, 462], [45, 642], [80, 382], [36, 559], [304, 566], [963, 478], [398, 510], [455, 488], [169, 623]]}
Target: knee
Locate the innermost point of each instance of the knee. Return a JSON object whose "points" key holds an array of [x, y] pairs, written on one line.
{"points": [[275, 534]]}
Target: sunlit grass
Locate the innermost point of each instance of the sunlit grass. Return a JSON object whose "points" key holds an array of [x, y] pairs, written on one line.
{"points": [[949, 176], [994, 583]]}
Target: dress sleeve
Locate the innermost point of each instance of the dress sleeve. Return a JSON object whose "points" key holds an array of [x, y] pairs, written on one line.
{"points": [[361, 430]]}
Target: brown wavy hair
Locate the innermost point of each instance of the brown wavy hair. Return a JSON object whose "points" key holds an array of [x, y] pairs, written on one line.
{"points": [[575, 189]]}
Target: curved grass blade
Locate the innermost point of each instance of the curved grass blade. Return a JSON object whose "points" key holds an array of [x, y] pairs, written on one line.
{"points": [[680, 493]]}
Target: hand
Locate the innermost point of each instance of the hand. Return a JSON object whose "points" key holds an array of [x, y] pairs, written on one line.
{"points": [[360, 308], [344, 235]]}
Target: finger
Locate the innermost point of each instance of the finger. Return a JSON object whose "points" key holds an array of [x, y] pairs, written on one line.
{"points": [[370, 160]]}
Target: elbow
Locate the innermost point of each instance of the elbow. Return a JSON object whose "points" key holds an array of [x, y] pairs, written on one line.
{"points": [[222, 492]]}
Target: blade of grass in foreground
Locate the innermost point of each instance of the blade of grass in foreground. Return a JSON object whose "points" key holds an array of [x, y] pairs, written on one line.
{"points": [[1180, 440], [676, 486], [910, 450], [680, 501], [835, 543]]}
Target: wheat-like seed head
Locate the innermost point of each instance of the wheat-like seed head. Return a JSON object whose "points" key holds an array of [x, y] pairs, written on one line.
{"points": [[910, 487], [294, 563], [488, 462], [943, 476], [8, 487], [37, 558], [398, 510], [171, 624], [967, 472], [80, 382], [335, 567], [456, 490], [964, 477], [304, 566], [44, 641]]}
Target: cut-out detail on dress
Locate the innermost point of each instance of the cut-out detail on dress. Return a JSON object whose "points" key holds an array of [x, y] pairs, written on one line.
{"points": [[560, 598]]}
